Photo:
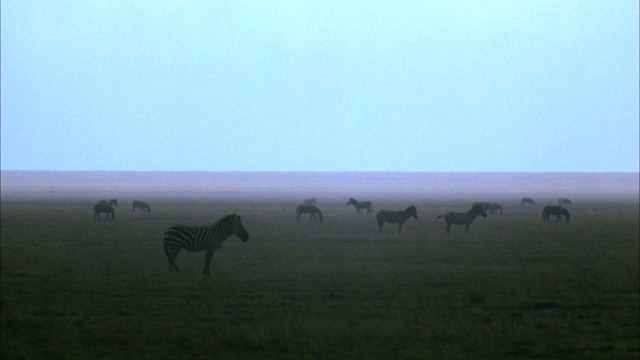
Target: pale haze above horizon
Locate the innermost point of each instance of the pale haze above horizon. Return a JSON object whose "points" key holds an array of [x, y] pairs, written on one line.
{"points": [[523, 86]]}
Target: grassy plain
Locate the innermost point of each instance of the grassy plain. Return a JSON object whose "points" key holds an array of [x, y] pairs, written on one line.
{"points": [[513, 287]]}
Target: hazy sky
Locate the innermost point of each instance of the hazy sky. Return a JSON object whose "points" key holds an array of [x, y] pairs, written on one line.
{"points": [[320, 85]]}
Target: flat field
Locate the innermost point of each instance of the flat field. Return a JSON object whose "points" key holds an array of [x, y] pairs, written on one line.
{"points": [[513, 287]]}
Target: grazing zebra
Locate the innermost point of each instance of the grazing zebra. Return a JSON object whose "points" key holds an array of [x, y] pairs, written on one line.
{"points": [[555, 210], [361, 205], [564, 201], [396, 217], [492, 208], [196, 239], [463, 218], [143, 206], [528, 201], [103, 207], [311, 201], [309, 209]]}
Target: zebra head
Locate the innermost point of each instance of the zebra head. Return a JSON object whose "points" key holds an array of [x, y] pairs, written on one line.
{"points": [[239, 230], [479, 209], [352, 201], [412, 211]]}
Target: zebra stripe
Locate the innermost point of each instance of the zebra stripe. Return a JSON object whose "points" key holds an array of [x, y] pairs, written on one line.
{"points": [[311, 201], [463, 218], [564, 201], [308, 209], [361, 205], [196, 239], [396, 217], [555, 210], [528, 201], [143, 206]]}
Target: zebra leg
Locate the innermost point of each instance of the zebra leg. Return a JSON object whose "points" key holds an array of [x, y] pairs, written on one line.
{"points": [[207, 261], [466, 228], [399, 227], [380, 225], [448, 227], [171, 257]]}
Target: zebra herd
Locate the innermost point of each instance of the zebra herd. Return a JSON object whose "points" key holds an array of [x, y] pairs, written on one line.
{"points": [[109, 208], [209, 238]]}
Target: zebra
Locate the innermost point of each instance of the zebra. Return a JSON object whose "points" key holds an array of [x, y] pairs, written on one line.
{"points": [[564, 201], [555, 210], [528, 201], [143, 206], [103, 207], [311, 201], [309, 209], [361, 205], [493, 208], [396, 217], [463, 218], [207, 238]]}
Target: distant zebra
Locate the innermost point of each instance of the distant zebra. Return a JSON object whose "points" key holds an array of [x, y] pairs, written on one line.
{"points": [[463, 218], [555, 210], [207, 238], [564, 201], [311, 201], [309, 209], [396, 217], [492, 208], [361, 205], [103, 207], [528, 201], [143, 206]]}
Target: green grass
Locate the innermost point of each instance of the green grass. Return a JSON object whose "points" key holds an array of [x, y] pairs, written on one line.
{"points": [[511, 288]]}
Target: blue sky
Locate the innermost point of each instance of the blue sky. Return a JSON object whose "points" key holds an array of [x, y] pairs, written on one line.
{"points": [[320, 85]]}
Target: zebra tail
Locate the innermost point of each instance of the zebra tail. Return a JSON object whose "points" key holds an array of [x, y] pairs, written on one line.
{"points": [[166, 248], [439, 217]]}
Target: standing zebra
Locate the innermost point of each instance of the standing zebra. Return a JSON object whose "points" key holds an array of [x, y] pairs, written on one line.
{"points": [[396, 217], [564, 201], [555, 210], [311, 201], [309, 209], [196, 239], [492, 208], [143, 206], [103, 207], [361, 205], [463, 218], [528, 201]]}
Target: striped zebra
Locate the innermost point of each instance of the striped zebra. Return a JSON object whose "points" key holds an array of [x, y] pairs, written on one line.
{"points": [[463, 218], [396, 217], [564, 201], [492, 208], [207, 238], [309, 209], [143, 206], [311, 201], [103, 207], [555, 210], [528, 201], [361, 205]]}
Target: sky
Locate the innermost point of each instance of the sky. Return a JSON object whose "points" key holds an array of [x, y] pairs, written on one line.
{"points": [[525, 86]]}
